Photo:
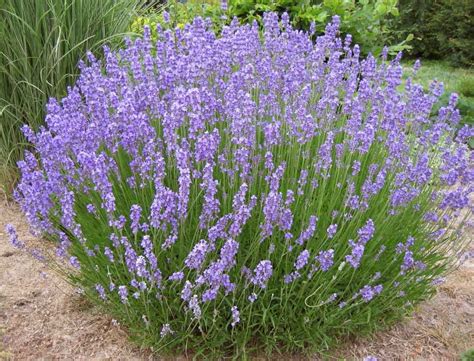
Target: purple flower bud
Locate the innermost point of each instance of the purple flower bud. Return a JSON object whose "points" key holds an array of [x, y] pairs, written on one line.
{"points": [[177, 276], [235, 316], [196, 257], [123, 293], [166, 330], [74, 262], [101, 291], [109, 254], [135, 213], [302, 259], [262, 273], [252, 297], [332, 229], [325, 259], [15, 242]]}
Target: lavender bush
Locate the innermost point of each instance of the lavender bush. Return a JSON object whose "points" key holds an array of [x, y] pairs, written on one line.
{"points": [[249, 191]]}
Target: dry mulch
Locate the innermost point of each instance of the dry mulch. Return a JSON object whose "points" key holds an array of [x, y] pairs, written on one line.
{"points": [[43, 318]]}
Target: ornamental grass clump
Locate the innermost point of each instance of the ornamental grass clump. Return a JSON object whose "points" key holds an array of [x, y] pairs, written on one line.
{"points": [[252, 191]]}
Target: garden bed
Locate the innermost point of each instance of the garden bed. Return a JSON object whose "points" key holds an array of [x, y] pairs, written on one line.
{"points": [[42, 317]]}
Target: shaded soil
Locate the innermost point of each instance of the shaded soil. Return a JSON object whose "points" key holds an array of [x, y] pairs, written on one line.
{"points": [[42, 317]]}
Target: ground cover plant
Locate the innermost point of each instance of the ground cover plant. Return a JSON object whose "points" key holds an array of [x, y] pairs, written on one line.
{"points": [[41, 43], [252, 191]]}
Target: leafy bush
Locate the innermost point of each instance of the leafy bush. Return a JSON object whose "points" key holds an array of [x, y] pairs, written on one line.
{"points": [[41, 43], [180, 13], [443, 29], [466, 87], [468, 355], [376, 15], [249, 191]]}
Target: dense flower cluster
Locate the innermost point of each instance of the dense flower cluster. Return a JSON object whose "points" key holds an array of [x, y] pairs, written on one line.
{"points": [[231, 187]]}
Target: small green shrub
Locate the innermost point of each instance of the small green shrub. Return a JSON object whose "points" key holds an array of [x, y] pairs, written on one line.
{"points": [[181, 13], [468, 355], [442, 29], [41, 43], [466, 87]]}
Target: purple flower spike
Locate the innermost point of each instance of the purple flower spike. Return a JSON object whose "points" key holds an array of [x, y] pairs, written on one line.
{"points": [[332, 229], [262, 273], [15, 242], [235, 316]]}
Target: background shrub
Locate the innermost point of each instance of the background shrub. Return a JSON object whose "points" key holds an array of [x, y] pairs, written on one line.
{"points": [[249, 191], [443, 29], [181, 13], [41, 43], [376, 15], [466, 87]]}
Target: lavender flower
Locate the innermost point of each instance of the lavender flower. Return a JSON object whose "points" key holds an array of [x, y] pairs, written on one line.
{"points": [[308, 232], [135, 213], [196, 257], [101, 291], [13, 237], [224, 5], [177, 276], [235, 316], [186, 293], [109, 254], [366, 232], [123, 293], [302, 259], [332, 229], [194, 307], [325, 259], [140, 267], [252, 297], [408, 262], [192, 155], [262, 273], [356, 254], [166, 330], [74, 262], [370, 358], [368, 292]]}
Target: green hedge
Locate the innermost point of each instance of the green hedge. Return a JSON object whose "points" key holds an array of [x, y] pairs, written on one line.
{"points": [[443, 29]]}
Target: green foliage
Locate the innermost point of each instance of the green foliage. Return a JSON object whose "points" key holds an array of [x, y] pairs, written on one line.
{"points": [[443, 29], [41, 43], [466, 87], [180, 13], [468, 355], [376, 15]]}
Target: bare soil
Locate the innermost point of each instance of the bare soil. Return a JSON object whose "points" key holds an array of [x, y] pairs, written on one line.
{"points": [[43, 318]]}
